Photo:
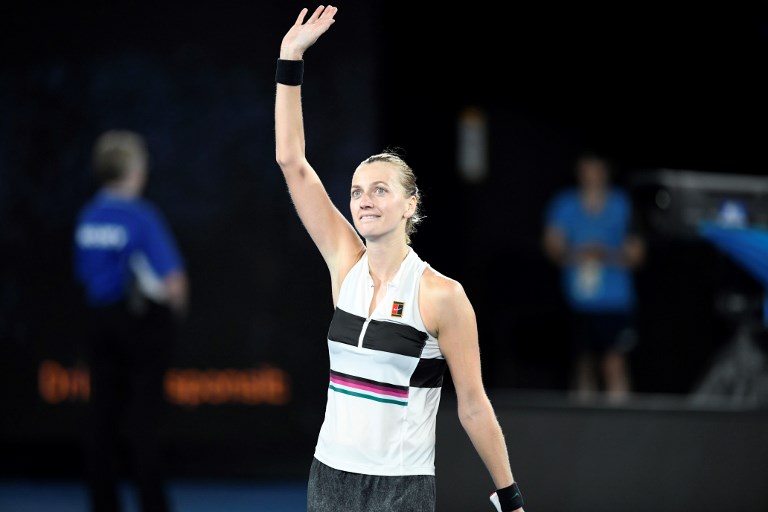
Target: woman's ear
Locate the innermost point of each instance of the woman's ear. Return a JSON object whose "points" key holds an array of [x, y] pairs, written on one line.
{"points": [[411, 208]]}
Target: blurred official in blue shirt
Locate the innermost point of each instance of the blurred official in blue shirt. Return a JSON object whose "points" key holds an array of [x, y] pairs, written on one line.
{"points": [[135, 288], [589, 235]]}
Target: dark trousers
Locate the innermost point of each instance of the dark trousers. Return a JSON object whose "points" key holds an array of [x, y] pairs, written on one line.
{"points": [[128, 356]]}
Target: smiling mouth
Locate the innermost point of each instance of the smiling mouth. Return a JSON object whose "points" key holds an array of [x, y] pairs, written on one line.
{"points": [[369, 217]]}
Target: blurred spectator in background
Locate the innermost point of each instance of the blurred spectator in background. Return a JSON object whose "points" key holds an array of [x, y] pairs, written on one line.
{"points": [[589, 235], [136, 290]]}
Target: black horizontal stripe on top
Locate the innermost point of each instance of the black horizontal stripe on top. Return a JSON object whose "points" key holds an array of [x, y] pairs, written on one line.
{"points": [[428, 373], [345, 327], [394, 338]]}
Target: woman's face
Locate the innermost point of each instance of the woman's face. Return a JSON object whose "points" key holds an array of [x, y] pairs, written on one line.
{"points": [[377, 201]]}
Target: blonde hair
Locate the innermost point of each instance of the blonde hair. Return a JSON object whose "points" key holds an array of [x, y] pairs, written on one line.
{"points": [[408, 182], [117, 152]]}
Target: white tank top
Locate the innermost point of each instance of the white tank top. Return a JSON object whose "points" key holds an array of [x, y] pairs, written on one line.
{"points": [[385, 380]]}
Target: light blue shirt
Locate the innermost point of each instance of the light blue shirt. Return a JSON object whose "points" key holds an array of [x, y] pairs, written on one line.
{"points": [[595, 287]]}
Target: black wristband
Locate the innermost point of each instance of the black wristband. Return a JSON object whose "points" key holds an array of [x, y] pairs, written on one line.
{"points": [[289, 72], [510, 498]]}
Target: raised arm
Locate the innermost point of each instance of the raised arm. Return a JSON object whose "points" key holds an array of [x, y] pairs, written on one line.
{"points": [[448, 313], [333, 235]]}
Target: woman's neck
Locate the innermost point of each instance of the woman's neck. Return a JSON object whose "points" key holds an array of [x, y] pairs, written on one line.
{"points": [[385, 258]]}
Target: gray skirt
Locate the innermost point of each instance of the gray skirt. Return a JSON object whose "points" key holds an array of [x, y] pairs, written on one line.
{"points": [[331, 490]]}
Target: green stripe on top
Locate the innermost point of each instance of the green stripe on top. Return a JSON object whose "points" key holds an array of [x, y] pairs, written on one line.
{"points": [[369, 397]]}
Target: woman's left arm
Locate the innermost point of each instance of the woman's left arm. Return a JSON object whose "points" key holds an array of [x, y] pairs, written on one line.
{"points": [[449, 314]]}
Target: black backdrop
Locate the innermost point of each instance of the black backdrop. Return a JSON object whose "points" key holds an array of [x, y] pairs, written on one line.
{"points": [[651, 89]]}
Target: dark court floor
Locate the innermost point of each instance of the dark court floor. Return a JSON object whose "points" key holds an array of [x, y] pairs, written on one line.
{"points": [[185, 496]]}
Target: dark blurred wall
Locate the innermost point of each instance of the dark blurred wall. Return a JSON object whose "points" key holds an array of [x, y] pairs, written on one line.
{"points": [[198, 80], [648, 89]]}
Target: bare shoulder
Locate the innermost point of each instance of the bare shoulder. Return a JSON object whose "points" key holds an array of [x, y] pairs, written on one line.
{"points": [[440, 299], [440, 287]]}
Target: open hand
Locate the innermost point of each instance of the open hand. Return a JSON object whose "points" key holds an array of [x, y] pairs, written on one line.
{"points": [[303, 35]]}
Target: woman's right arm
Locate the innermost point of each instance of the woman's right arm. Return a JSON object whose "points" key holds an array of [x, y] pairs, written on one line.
{"points": [[333, 235]]}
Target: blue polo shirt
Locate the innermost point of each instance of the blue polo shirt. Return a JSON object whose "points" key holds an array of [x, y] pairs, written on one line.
{"points": [[115, 239], [603, 288]]}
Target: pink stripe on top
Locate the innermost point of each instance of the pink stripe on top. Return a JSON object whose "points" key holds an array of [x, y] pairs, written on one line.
{"points": [[369, 387]]}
